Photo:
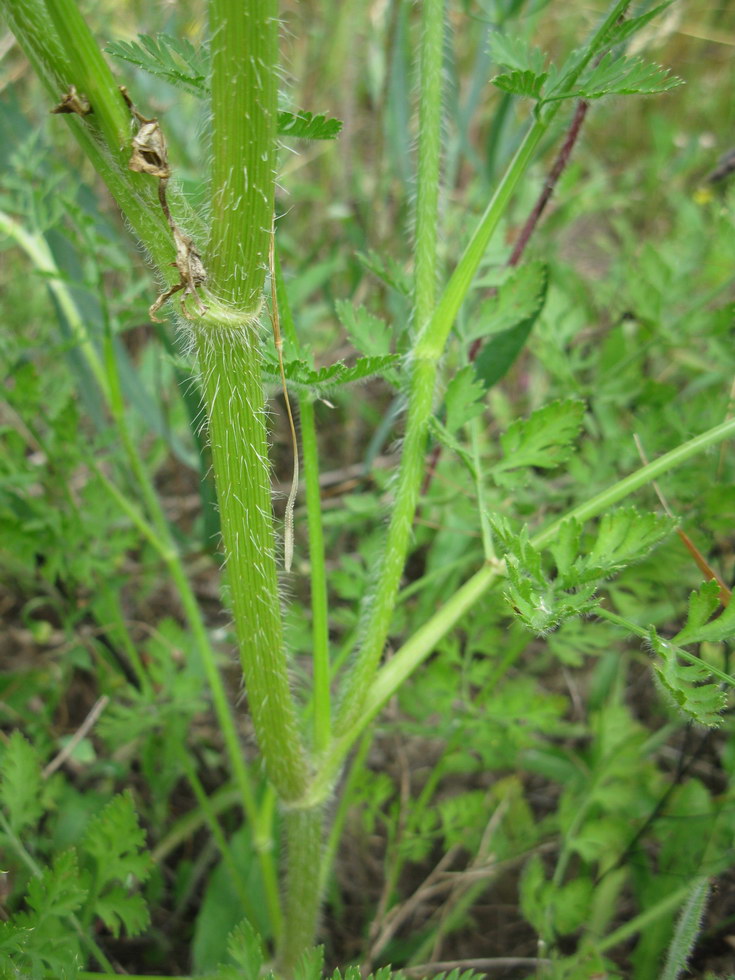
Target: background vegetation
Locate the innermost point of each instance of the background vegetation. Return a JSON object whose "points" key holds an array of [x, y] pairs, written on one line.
{"points": [[525, 795]]}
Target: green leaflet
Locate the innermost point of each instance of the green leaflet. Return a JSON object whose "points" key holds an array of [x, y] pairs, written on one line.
{"points": [[544, 440], [20, 783], [614, 74], [518, 299], [700, 625], [687, 686], [300, 375], [544, 597], [178, 62], [115, 841]]}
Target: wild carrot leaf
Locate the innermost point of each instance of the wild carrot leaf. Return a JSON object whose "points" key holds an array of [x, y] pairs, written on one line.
{"points": [[387, 270], [177, 61], [115, 840], [299, 373], [306, 125], [40, 941], [370, 334]]}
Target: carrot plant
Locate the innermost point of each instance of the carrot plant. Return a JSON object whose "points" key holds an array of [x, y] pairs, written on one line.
{"points": [[216, 260]]}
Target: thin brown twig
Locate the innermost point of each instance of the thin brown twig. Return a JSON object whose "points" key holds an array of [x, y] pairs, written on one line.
{"points": [[58, 761]]}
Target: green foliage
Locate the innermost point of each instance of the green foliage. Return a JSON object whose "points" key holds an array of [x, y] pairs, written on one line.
{"points": [[178, 62], [544, 601], [544, 440], [612, 74], [491, 748], [20, 783], [175, 59], [43, 938], [94, 880]]}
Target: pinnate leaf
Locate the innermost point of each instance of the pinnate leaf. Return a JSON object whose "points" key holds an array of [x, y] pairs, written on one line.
{"points": [[625, 536], [177, 61], [370, 334], [464, 399], [620, 75], [307, 126], [20, 783], [545, 439], [524, 83], [60, 890], [518, 299], [516, 52], [700, 626], [119, 909], [172, 58], [114, 839], [687, 686]]}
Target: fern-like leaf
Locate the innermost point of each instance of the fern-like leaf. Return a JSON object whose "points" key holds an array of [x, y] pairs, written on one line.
{"points": [[687, 686], [307, 126], [701, 624], [20, 783], [173, 59], [115, 841], [620, 75]]}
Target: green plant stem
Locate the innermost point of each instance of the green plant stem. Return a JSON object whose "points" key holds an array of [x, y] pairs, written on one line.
{"points": [[415, 650], [244, 51], [427, 350], [223, 799], [428, 171], [38, 251], [230, 364], [92, 77], [59, 64], [304, 832]]}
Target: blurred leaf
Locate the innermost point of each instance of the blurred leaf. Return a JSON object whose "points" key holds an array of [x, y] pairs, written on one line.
{"points": [[687, 686], [464, 399], [305, 125], [523, 83], [370, 334], [172, 58], [20, 783], [516, 52], [699, 625], [516, 301]]}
